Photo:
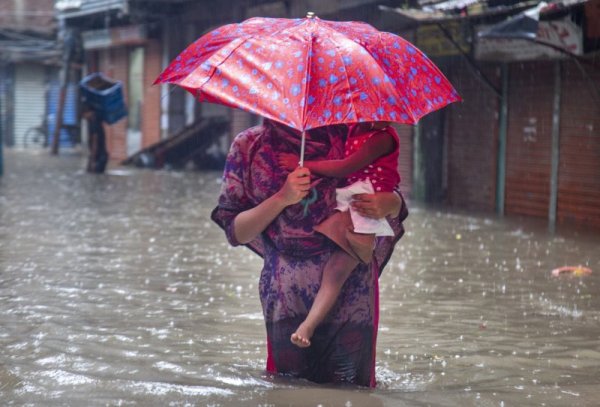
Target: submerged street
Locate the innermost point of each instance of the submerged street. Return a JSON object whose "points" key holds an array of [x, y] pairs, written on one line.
{"points": [[117, 289]]}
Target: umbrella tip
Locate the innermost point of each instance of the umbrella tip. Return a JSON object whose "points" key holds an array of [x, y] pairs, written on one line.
{"points": [[310, 14]]}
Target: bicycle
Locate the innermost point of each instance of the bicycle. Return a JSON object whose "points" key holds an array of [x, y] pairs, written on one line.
{"points": [[36, 135]]}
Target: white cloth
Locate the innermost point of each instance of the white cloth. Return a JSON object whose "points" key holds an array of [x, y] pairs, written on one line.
{"points": [[379, 227]]}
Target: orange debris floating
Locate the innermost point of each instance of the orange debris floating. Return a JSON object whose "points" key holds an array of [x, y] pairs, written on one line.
{"points": [[578, 271]]}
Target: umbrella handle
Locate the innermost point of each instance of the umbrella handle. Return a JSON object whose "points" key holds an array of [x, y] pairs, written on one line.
{"points": [[302, 145], [309, 200]]}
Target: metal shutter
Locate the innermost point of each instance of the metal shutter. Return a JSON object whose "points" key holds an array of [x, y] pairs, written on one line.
{"points": [[528, 149], [579, 168], [69, 113], [30, 100]]}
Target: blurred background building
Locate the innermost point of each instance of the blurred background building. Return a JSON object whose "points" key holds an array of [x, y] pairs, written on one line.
{"points": [[30, 60], [525, 140]]}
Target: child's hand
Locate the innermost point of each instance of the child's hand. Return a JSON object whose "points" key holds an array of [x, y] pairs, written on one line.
{"points": [[289, 161], [378, 205]]}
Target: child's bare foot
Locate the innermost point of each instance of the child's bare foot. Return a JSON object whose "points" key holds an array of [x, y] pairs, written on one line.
{"points": [[301, 337], [299, 341]]}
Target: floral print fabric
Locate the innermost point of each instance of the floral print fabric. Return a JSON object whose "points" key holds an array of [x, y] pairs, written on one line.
{"points": [[343, 346]]}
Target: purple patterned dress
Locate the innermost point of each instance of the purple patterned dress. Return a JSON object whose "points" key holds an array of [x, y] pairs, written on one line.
{"points": [[343, 346]]}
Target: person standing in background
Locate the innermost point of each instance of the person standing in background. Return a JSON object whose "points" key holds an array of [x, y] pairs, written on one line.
{"points": [[98, 153]]}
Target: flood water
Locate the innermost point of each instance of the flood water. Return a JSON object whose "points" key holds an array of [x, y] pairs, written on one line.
{"points": [[118, 290]]}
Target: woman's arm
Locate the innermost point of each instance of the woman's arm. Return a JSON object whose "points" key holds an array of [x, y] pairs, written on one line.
{"points": [[250, 223], [376, 146], [378, 205]]}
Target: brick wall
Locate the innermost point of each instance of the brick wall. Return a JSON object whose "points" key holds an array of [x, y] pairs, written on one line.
{"points": [[28, 15], [473, 138], [472, 128], [151, 109], [579, 165], [528, 143], [113, 62]]}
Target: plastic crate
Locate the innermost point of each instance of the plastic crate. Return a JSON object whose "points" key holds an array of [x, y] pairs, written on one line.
{"points": [[113, 115], [105, 96]]}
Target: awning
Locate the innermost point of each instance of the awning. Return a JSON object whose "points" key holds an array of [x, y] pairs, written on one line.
{"points": [[19, 47], [462, 10], [450, 11], [80, 8], [524, 37]]}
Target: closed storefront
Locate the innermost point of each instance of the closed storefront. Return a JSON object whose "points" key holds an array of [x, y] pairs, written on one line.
{"points": [[69, 131], [579, 164], [525, 140], [472, 139], [529, 138], [29, 102]]}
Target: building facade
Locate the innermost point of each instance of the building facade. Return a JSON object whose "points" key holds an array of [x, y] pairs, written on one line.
{"points": [[525, 140], [29, 65]]}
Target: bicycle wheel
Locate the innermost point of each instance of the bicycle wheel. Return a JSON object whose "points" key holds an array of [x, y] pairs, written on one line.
{"points": [[34, 136]]}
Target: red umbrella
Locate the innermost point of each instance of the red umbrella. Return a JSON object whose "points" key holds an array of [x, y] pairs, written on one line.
{"points": [[310, 72]]}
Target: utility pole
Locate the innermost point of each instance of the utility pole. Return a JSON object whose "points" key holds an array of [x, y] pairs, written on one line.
{"points": [[68, 41]]}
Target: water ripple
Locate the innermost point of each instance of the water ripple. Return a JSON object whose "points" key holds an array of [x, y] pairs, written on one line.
{"points": [[118, 290]]}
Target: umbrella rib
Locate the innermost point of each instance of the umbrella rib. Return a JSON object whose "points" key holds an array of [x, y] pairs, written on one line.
{"points": [[407, 109], [305, 107], [243, 40], [378, 64], [354, 110], [380, 68], [214, 67], [307, 82], [200, 89]]}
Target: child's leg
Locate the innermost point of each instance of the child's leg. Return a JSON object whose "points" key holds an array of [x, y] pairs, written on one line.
{"points": [[335, 274]]}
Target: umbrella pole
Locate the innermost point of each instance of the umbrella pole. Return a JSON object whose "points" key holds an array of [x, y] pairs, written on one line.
{"points": [[306, 202], [302, 143]]}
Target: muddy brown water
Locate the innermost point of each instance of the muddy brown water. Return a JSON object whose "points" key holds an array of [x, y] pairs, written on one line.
{"points": [[117, 290]]}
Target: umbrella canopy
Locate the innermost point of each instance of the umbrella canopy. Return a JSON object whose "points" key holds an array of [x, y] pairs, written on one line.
{"points": [[310, 72]]}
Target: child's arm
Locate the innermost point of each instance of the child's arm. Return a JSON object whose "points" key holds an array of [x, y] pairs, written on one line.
{"points": [[378, 145]]}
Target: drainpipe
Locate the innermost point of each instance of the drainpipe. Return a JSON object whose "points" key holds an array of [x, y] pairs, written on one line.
{"points": [[502, 133], [555, 155]]}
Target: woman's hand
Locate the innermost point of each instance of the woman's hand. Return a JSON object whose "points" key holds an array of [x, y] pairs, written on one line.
{"points": [[250, 223], [296, 186], [378, 205], [288, 161]]}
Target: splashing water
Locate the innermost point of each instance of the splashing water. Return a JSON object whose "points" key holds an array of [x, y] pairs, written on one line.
{"points": [[117, 289]]}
